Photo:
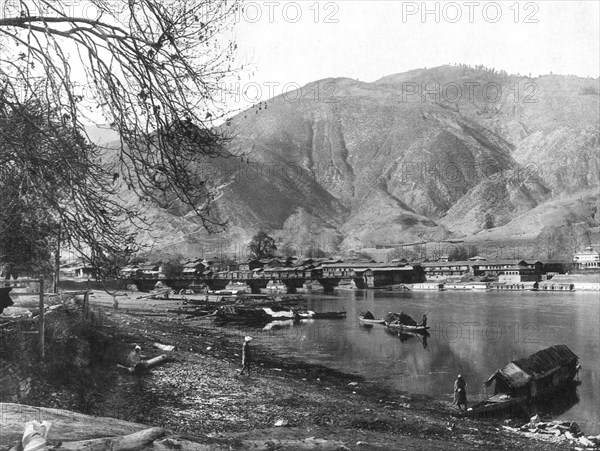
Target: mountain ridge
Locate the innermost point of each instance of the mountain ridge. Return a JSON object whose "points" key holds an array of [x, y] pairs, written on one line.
{"points": [[350, 164]]}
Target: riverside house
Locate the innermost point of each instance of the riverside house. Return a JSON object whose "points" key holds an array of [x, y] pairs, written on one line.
{"points": [[519, 273], [193, 268], [587, 259], [447, 270]]}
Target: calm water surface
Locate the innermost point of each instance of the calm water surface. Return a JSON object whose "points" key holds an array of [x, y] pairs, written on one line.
{"points": [[471, 333]]}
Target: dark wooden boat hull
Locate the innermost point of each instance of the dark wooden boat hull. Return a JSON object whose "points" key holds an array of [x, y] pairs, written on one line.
{"points": [[329, 315], [404, 327], [497, 406]]}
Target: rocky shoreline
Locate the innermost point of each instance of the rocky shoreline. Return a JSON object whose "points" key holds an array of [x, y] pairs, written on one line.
{"points": [[200, 393]]}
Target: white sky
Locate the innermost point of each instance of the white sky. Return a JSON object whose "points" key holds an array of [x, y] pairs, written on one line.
{"points": [[372, 39]]}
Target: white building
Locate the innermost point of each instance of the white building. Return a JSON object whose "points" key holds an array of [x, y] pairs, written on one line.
{"points": [[588, 259]]}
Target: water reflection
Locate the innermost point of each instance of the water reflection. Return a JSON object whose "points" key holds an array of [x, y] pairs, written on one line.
{"points": [[561, 403], [411, 337]]}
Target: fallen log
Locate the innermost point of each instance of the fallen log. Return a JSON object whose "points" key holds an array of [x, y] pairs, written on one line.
{"points": [[195, 312], [167, 444], [137, 440], [66, 425], [146, 364], [156, 361], [164, 347]]}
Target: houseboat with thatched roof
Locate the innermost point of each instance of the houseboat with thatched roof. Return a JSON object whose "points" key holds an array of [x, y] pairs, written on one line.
{"points": [[530, 378]]}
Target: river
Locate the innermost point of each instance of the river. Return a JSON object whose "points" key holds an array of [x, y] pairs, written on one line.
{"points": [[472, 333]]}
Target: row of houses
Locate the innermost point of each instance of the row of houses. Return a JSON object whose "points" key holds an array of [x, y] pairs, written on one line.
{"points": [[508, 270], [373, 273]]}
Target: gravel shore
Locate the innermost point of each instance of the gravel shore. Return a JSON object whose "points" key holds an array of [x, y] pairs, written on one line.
{"points": [[200, 391]]}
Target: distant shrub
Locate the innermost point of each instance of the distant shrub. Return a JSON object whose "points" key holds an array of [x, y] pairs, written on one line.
{"points": [[589, 91]]}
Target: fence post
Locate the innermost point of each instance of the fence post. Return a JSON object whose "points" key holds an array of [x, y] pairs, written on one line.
{"points": [[41, 323], [86, 304]]}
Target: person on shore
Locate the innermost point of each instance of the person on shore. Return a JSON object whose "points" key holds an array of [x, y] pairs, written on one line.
{"points": [[460, 392], [135, 359], [246, 355]]}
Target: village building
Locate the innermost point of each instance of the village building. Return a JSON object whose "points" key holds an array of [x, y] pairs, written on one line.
{"points": [[193, 268], [151, 271], [387, 275], [493, 268], [79, 270], [588, 259], [446, 270], [129, 271], [250, 265], [518, 274]]}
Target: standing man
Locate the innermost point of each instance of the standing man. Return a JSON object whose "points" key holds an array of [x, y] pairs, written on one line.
{"points": [[246, 355], [460, 392]]}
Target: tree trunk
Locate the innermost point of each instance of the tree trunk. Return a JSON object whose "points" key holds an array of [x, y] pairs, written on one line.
{"points": [[137, 440], [57, 262]]}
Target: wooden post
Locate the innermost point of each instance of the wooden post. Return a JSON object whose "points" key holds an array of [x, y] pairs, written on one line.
{"points": [[57, 262], [41, 325], [86, 303]]}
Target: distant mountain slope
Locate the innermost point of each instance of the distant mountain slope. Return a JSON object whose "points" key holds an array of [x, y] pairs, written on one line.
{"points": [[351, 164]]}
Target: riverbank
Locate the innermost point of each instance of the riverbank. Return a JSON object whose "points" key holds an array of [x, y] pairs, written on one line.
{"points": [[199, 391]]}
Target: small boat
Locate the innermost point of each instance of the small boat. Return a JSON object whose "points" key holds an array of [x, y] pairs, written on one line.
{"points": [[329, 315], [371, 321], [535, 377], [407, 328], [303, 314], [501, 402], [368, 318], [280, 313], [403, 322]]}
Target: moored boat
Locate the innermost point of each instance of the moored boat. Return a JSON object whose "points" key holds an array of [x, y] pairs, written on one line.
{"points": [[403, 322], [501, 402], [408, 328], [371, 321], [329, 315], [535, 377], [368, 318]]}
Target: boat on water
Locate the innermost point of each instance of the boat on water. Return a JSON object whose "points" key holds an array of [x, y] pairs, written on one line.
{"points": [[403, 322], [535, 377], [368, 318], [303, 314], [329, 315], [407, 328]]}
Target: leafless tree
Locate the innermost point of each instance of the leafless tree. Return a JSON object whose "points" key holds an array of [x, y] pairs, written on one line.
{"points": [[150, 69], [55, 186]]}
